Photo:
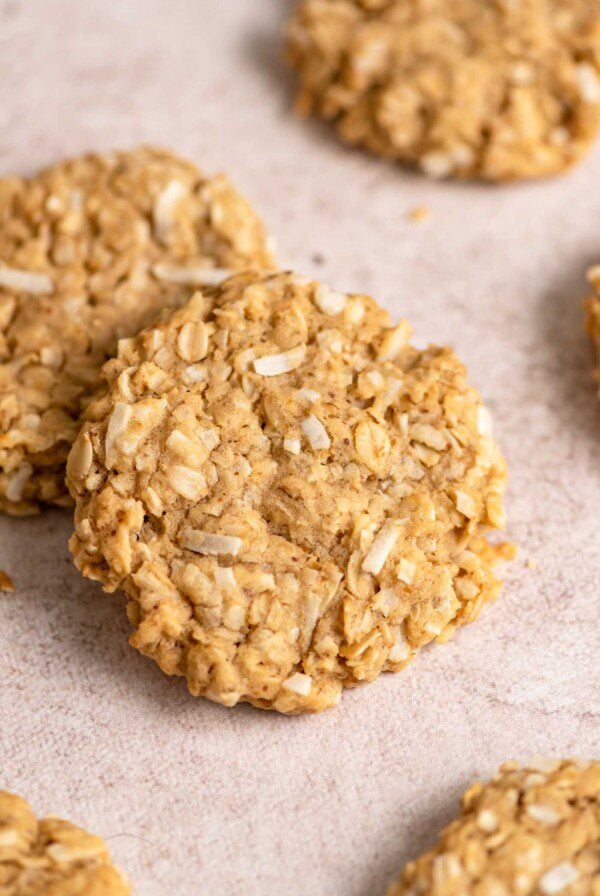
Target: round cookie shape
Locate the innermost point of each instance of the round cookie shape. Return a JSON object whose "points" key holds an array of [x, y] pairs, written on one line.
{"points": [[92, 250], [292, 497], [592, 305], [459, 88], [52, 857], [532, 831]]}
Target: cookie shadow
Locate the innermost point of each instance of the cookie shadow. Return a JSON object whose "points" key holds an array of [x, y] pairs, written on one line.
{"points": [[405, 839], [81, 632]]}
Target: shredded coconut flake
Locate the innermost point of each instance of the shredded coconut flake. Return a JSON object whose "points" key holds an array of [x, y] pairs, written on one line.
{"points": [[292, 445], [406, 571], [164, 208], [309, 394], [119, 420], [225, 577], [543, 814], [487, 821], [329, 302], [380, 549], [188, 483], [275, 365], [589, 82], [558, 878], [298, 684], [437, 164], [17, 482], [25, 281], [190, 275], [208, 543], [315, 432], [400, 651], [484, 421]]}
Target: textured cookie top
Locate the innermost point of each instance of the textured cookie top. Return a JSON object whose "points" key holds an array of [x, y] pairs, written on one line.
{"points": [[291, 496], [90, 251], [530, 832], [52, 857], [463, 88], [593, 311]]}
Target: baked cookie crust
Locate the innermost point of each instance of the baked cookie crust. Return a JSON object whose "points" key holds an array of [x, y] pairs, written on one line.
{"points": [[52, 857], [460, 88], [532, 831], [292, 497], [91, 250]]}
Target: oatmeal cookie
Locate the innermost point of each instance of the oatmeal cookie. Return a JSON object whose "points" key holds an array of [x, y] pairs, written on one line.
{"points": [[496, 90], [531, 831], [90, 251], [292, 497], [593, 311], [52, 857]]}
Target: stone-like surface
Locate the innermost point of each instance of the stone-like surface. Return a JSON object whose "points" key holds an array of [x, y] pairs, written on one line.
{"points": [[244, 801]]}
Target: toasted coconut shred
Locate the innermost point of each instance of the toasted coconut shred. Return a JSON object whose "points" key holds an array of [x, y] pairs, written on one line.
{"points": [[292, 497]]}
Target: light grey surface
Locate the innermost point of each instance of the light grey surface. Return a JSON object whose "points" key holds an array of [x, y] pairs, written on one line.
{"points": [[201, 801]]}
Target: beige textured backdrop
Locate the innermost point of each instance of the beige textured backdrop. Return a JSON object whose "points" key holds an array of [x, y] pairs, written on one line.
{"points": [[196, 800]]}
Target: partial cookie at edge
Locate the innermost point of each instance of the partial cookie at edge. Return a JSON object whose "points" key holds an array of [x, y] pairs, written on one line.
{"points": [[592, 305], [292, 497], [52, 857], [533, 830], [496, 91], [91, 250]]}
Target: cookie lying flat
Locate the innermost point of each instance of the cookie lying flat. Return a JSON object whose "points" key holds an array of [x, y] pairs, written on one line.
{"points": [[52, 857], [291, 496], [495, 90], [532, 831], [593, 311], [90, 251]]}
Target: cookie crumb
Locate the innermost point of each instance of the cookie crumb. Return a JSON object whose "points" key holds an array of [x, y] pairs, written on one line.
{"points": [[6, 583], [420, 213]]}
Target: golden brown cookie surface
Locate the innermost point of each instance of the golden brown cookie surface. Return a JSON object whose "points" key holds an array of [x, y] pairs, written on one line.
{"points": [[531, 831], [91, 250], [293, 498], [52, 857], [496, 90]]}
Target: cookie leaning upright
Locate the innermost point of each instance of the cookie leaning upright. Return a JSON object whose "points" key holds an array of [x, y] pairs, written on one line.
{"points": [[92, 250], [532, 831], [497, 90], [292, 497], [52, 857]]}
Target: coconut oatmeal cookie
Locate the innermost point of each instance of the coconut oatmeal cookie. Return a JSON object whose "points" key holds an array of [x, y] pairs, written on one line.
{"points": [[593, 311], [532, 831], [496, 90], [91, 250], [292, 497], [51, 857]]}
